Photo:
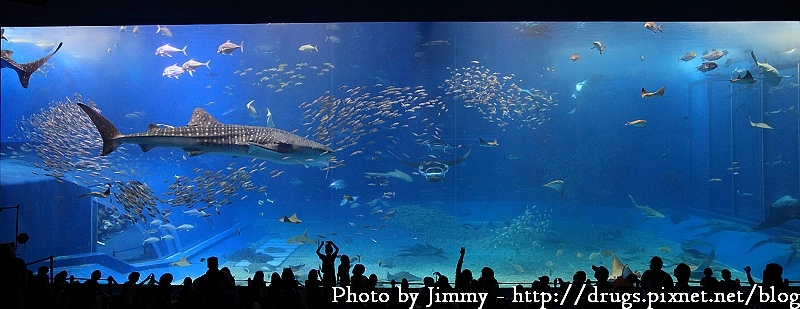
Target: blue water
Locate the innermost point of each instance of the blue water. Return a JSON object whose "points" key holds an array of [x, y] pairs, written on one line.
{"points": [[694, 133]]}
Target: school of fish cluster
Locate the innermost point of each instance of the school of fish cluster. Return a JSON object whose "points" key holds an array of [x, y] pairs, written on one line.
{"points": [[498, 98], [139, 202], [340, 123], [212, 189], [66, 141], [284, 77]]}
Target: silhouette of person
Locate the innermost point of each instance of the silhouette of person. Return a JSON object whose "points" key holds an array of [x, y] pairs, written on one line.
{"points": [[682, 273], [13, 278], [328, 266], [291, 297], [708, 282], [187, 295], [314, 290], [343, 272], [772, 277], [656, 280], [214, 288]]}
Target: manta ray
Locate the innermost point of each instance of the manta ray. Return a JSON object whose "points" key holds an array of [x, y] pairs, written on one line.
{"points": [[434, 170], [747, 79], [205, 134], [771, 75], [24, 70]]}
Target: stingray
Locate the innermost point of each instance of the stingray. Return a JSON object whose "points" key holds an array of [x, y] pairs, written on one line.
{"points": [[182, 262], [651, 213], [301, 239], [292, 219], [747, 79], [658, 93], [557, 185], [618, 269], [103, 194], [433, 169]]}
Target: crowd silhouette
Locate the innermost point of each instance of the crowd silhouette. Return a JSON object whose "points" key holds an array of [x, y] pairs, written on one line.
{"points": [[216, 289]]}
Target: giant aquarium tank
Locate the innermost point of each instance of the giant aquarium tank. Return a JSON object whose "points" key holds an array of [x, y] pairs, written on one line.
{"points": [[543, 148]]}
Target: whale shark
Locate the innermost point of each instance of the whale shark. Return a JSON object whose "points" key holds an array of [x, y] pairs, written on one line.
{"points": [[24, 70], [771, 75], [205, 134]]}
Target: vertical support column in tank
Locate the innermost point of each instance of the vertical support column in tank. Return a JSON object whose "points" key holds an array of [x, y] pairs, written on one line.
{"points": [[733, 156], [765, 155], [699, 147], [93, 225]]}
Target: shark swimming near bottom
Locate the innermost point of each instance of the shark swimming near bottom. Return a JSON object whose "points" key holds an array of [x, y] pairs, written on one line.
{"points": [[24, 70], [205, 134]]}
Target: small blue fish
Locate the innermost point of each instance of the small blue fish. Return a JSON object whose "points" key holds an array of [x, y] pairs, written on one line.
{"points": [[338, 184]]}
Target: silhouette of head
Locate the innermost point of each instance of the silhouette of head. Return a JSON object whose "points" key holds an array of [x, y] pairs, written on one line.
{"points": [[42, 271], [579, 277], [328, 248], [287, 277], [600, 273], [165, 279], [96, 274], [187, 281], [487, 272], [134, 276], [656, 263], [726, 274], [345, 260], [773, 273], [312, 275], [708, 272], [682, 272], [258, 276], [467, 274], [359, 270], [212, 263]]}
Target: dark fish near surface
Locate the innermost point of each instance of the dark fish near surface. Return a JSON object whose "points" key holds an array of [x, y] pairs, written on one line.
{"points": [[204, 134], [24, 70], [707, 66]]}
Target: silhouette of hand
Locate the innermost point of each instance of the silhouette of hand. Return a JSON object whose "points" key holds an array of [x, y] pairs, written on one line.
{"points": [[747, 269], [462, 250]]}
